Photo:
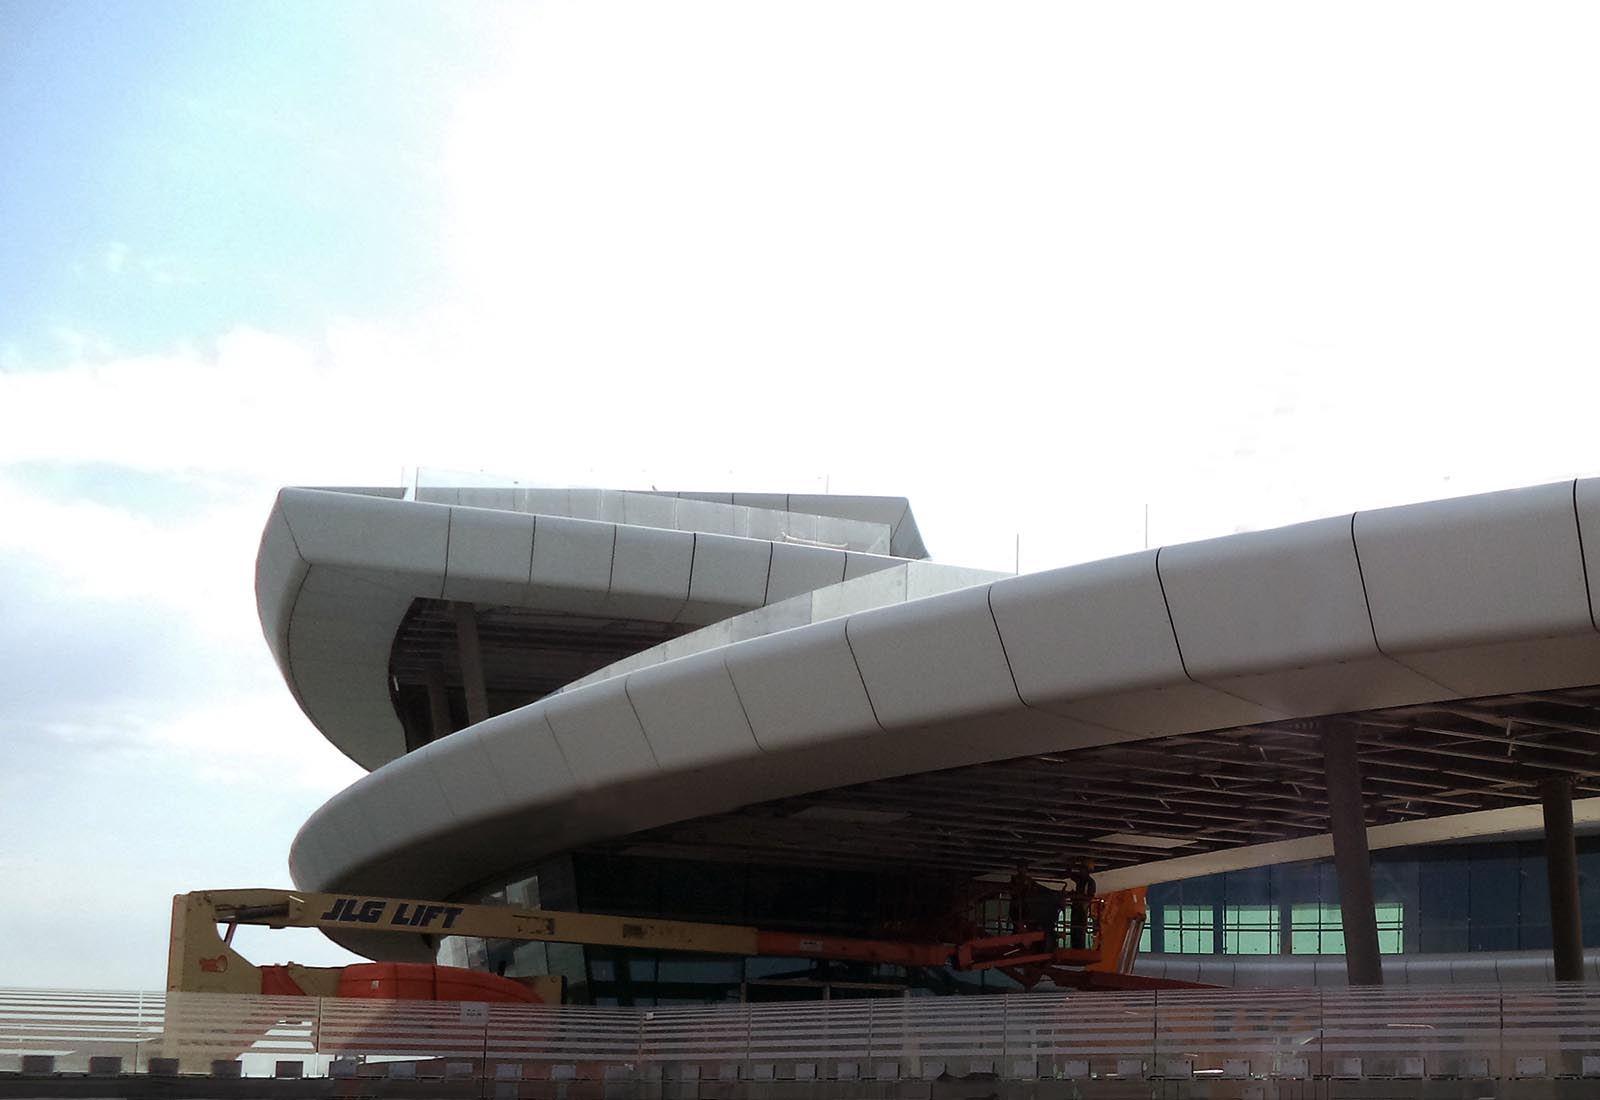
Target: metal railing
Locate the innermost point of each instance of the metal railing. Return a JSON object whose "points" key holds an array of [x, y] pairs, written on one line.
{"points": [[1485, 1032]]}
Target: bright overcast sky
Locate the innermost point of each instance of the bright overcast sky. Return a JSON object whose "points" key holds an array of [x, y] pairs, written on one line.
{"points": [[1035, 266]]}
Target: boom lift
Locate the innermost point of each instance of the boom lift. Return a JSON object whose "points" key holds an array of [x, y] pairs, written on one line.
{"points": [[1093, 947]]}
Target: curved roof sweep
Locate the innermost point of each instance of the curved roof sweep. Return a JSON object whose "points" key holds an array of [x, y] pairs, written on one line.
{"points": [[1448, 600], [339, 571]]}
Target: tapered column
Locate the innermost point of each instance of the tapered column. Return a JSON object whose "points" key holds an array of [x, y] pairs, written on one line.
{"points": [[438, 703], [1352, 861], [1561, 867], [471, 654]]}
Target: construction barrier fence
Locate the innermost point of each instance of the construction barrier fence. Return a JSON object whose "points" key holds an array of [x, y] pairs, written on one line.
{"points": [[1396, 1033]]}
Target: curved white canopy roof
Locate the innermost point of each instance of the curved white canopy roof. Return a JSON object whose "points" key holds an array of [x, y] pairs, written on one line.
{"points": [[339, 569], [1460, 598]]}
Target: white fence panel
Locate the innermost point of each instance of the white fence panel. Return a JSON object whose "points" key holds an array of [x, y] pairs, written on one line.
{"points": [[75, 1025], [1395, 1032]]}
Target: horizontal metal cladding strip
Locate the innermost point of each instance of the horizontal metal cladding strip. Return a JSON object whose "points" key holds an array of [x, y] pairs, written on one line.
{"points": [[1035, 664]]}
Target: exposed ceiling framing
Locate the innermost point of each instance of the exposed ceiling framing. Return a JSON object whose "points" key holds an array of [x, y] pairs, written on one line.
{"points": [[1220, 789], [525, 652]]}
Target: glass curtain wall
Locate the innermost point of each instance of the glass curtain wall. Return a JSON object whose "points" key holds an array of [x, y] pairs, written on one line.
{"points": [[1446, 898], [1443, 898]]}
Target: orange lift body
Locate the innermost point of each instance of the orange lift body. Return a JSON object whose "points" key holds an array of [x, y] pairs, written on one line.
{"points": [[1067, 937]]}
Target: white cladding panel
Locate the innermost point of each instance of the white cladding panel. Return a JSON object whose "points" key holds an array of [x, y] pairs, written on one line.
{"points": [[352, 701], [309, 861], [1086, 630], [345, 818], [527, 760], [716, 519], [931, 661], [466, 774], [1586, 499], [484, 498], [571, 563], [599, 734], [340, 825], [404, 802], [490, 556], [766, 502], [925, 578], [862, 593], [647, 510], [555, 502], [1479, 569], [770, 526], [801, 687], [587, 504], [690, 712], [729, 576], [370, 533], [1093, 642], [787, 615], [800, 569], [1267, 599], [339, 639], [279, 571], [1280, 618], [1485, 594], [857, 564], [650, 572]]}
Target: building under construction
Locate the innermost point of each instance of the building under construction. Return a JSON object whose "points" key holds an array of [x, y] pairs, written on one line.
{"points": [[1357, 744]]}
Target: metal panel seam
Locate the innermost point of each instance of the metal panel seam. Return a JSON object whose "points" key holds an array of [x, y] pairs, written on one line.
{"points": [[1171, 625], [856, 661], [1362, 577], [644, 731], [288, 636], [688, 585], [531, 541], [988, 600], [611, 574], [550, 728], [1583, 561], [444, 581], [278, 504], [726, 671], [1373, 626]]}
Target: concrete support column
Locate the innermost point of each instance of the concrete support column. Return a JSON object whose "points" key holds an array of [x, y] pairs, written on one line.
{"points": [[1561, 866], [471, 653], [439, 724], [1347, 822]]}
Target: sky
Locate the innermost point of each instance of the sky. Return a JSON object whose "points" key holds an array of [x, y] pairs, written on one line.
{"points": [[1073, 277]]}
